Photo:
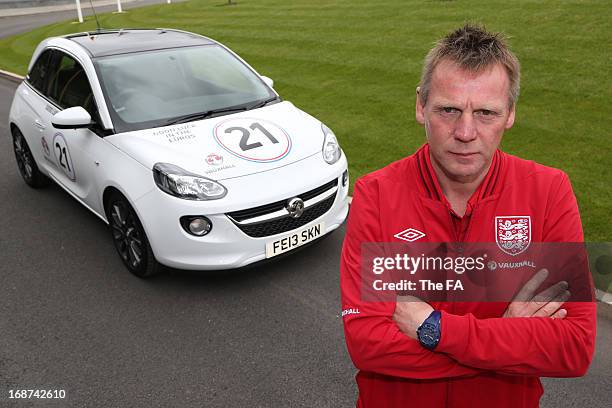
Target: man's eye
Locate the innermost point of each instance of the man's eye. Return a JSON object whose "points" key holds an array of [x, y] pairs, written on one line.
{"points": [[486, 112], [448, 109]]}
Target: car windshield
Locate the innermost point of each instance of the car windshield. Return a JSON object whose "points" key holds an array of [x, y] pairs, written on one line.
{"points": [[150, 89]]}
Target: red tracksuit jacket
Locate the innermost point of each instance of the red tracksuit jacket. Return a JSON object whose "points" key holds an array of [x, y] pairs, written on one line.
{"points": [[482, 360]]}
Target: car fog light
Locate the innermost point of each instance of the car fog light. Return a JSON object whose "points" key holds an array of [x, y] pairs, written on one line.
{"points": [[196, 225]]}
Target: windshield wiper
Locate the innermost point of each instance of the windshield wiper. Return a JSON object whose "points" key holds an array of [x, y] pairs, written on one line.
{"points": [[260, 104], [203, 115]]}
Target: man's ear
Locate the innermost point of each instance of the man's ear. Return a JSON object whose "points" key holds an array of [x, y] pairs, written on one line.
{"points": [[510, 120], [420, 114]]}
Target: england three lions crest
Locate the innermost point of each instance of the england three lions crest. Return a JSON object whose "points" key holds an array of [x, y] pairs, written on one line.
{"points": [[513, 233]]}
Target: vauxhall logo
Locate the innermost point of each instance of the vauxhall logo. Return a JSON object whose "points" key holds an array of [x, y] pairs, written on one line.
{"points": [[295, 207]]}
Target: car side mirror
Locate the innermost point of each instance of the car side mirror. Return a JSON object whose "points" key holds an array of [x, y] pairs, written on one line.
{"points": [[268, 81], [71, 118]]}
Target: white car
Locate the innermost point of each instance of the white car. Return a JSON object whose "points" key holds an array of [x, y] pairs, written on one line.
{"points": [[177, 143]]}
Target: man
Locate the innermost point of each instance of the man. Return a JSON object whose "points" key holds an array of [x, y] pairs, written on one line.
{"points": [[451, 190]]}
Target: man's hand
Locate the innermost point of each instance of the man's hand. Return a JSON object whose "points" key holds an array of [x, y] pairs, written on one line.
{"points": [[410, 313], [545, 304]]}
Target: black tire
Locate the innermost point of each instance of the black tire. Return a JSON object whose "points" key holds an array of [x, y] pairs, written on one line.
{"points": [[130, 238], [25, 162]]}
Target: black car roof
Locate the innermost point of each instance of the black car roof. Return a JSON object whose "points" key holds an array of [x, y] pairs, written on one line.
{"points": [[112, 42]]}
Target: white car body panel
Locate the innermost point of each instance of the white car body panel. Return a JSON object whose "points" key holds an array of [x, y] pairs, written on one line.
{"points": [[187, 145]]}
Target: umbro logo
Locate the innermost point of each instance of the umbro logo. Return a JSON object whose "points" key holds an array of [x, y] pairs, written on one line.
{"points": [[410, 235]]}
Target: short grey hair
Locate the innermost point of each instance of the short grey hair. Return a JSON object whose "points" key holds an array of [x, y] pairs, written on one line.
{"points": [[472, 48]]}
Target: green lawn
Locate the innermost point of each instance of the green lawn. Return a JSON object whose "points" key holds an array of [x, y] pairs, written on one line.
{"points": [[355, 65]]}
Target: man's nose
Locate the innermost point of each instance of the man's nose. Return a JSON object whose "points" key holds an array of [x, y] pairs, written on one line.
{"points": [[465, 128]]}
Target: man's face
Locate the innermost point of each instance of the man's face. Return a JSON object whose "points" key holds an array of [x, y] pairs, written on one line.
{"points": [[465, 117]]}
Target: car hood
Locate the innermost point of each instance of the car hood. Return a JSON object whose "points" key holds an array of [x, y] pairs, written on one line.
{"points": [[228, 146]]}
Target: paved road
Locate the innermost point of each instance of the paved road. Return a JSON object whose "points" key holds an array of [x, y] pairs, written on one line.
{"points": [[18, 24], [72, 318]]}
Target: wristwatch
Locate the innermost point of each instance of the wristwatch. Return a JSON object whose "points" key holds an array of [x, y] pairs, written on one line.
{"points": [[429, 332]]}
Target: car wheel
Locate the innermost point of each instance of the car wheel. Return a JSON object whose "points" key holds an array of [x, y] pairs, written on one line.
{"points": [[26, 163], [130, 239]]}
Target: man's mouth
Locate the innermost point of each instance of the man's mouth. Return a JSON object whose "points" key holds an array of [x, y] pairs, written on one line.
{"points": [[463, 154]]}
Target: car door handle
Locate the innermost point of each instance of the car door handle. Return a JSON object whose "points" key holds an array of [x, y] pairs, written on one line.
{"points": [[39, 125]]}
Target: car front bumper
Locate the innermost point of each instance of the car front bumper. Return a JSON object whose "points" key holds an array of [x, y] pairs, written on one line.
{"points": [[227, 246]]}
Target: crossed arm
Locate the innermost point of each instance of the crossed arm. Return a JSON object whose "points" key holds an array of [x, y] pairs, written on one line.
{"points": [[536, 337]]}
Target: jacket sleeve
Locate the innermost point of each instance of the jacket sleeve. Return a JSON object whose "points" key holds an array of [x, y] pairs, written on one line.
{"points": [[375, 343], [531, 345]]}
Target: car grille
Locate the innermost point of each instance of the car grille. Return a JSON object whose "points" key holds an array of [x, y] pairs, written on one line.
{"points": [[285, 223]]}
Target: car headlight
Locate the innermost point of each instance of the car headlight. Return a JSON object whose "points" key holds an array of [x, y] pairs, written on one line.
{"points": [[183, 184], [331, 147]]}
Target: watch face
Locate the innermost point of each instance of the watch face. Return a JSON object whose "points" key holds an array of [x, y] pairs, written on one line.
{"points": [[428, 335]]}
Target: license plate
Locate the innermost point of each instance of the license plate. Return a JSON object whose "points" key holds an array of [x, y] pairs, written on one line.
{"points": [[298, 238]]}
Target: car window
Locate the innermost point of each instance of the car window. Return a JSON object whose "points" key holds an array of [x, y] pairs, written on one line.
{"points": [[149, 89], [207, 70], [38, 75], [69, 86]]}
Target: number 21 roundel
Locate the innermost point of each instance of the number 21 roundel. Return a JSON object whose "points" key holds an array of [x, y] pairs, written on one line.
{"points": [[62, 156], [251, 139]]}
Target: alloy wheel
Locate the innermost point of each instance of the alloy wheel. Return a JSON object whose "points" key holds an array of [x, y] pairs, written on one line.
{"points": [[24, 157], [126, 235]]}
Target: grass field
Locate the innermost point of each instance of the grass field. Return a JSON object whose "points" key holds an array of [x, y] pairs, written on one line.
{"points": [[355, 65]]}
